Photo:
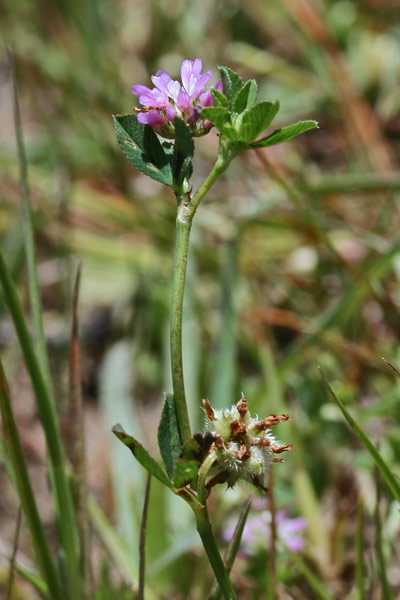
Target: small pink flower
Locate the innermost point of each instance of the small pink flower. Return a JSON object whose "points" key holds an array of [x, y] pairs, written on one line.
{"points": [[257, 531], [170, 98]]}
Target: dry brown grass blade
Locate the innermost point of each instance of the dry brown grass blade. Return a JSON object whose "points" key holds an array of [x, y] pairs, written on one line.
{"points": [[361, 122], [76, 441], [387, 304], [391, 366], [279, 317]]}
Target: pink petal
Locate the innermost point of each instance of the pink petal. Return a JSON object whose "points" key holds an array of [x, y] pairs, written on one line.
{"points": [[170, 111], [152, 117], [205, 99], [161, 80], [174, 87], [295, 544], [293, 525], [197, 67], [186, 73], [198, 87], [183, 101], [139, 89]]}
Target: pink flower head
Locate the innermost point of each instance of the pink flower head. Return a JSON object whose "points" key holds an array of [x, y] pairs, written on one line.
{"points": [[257, 531], [170, 98]]}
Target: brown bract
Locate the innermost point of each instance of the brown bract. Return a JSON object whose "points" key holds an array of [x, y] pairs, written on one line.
{"points": [[242, 406], [238, 428], [271, 420], [244, 452], [209, 410]]}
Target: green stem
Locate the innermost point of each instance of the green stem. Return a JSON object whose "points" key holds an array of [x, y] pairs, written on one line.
{"points": [[226, 154], [210, 546], [178, 286], [233, 547], [187, 208]]}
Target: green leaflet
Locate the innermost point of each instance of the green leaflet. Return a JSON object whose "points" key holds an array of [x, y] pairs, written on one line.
{"points": [[285, 134], [169, 440], [231, 83], [141, 455], [220, 117], [142, 148], [219, 98], [254, 121], [245, 97]]}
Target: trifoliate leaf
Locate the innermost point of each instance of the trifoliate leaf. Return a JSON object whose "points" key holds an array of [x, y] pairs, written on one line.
{"points": [[285, 134], [142, 148]]}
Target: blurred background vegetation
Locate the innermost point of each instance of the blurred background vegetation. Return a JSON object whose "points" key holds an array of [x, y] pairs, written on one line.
{"points": [[295, 261]]}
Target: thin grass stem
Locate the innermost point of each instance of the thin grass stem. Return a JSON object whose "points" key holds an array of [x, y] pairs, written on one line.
{"points": [[387, 593], [387, 474], [142, 542], [360, 575], [29, 242], [43, 553], [14, 554], [77, 444]]}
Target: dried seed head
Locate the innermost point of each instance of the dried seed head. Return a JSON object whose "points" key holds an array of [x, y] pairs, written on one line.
{"points": [[244, 447]]}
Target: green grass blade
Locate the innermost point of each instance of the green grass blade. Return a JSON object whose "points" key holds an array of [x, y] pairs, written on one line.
{"points": [[42, 550], [29, 242], [360, 578], [12, 243], [312, 580], [390, 479], [117, 376], [5, 457], [387, 593], [77, 444], [225, 372], [345, 306], [113, 543], [13, 555], [34, 580], [142, 542], [66, 521]]}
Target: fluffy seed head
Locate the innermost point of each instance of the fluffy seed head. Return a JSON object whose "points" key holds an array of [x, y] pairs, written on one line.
{"points": [[244, 446]]}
